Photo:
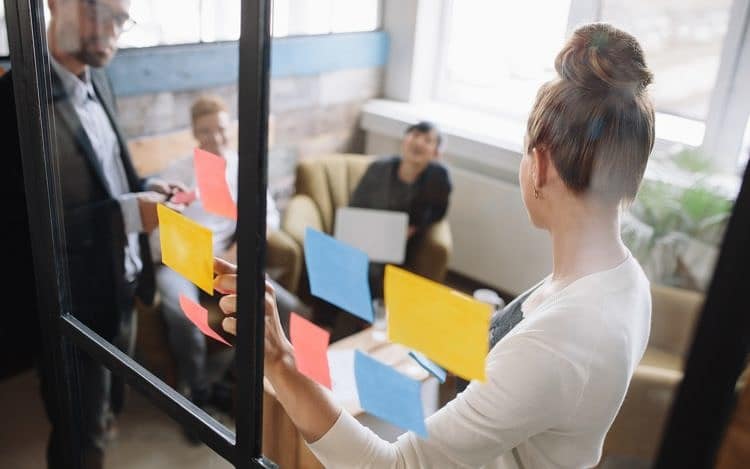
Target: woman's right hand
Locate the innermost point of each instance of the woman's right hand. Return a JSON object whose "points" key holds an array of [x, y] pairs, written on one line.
{"points": [[278, 350]]}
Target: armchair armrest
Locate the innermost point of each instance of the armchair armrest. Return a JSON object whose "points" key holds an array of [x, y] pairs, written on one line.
{"points": [[637, 428], [284, 259], [674, 315], [432, 252], [300, 213]]}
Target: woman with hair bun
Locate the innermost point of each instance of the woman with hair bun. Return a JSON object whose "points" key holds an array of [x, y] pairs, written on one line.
{"points": [[563, 353]]}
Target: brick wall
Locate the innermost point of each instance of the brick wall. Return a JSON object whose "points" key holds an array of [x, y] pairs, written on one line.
{"points": [[313, 115]]}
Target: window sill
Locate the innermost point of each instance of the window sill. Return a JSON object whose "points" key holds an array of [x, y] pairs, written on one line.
{"points": [[472, 140], [492, 145]]}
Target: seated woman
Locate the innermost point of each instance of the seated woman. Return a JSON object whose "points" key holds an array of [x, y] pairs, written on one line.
{"points": [[562, 355]]}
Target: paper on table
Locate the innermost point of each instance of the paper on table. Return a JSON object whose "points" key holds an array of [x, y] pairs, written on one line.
{"points": [[343, 384], [198, 315], [386, 393], [186, 247], [210, 173], [448, 327], [310, 344], [338, 273]]}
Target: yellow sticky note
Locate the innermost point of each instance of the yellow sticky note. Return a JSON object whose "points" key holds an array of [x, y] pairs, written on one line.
{"points": [[447, 326], [187, 247]]}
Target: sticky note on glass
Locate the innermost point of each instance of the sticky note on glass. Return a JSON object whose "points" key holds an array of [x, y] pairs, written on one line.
{"points": [[447, 326], [198, 315], [338, 273], [429, 366], [186, 247], [389, 395], [310, 349], [210, 173]]}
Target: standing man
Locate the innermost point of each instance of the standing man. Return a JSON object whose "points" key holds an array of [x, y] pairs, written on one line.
{"points": [[108, 210]]}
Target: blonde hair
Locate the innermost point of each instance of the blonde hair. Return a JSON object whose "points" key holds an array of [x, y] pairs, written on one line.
{"points": [[596, 118], [206, 105]]}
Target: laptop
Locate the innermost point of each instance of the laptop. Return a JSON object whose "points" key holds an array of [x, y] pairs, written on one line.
{"points": [[379, 233]]}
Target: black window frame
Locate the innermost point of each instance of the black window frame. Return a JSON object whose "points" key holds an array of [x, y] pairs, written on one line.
{"points": [[64, 336]]}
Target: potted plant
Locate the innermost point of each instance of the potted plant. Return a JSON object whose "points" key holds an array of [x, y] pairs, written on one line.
{"points": [[676, 224]]}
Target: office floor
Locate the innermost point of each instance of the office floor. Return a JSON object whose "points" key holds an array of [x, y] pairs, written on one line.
{"points": [[147, 438]]}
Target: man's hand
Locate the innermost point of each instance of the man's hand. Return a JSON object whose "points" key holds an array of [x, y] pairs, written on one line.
{"points": [[147, 202], [167, 188]]}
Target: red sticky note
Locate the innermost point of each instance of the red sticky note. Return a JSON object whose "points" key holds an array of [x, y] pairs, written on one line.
{"points": [[198, 315], [183, 197], [210, 172], [310, 344]]}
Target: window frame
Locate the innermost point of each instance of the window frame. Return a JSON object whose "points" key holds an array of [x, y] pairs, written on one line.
{"points": [[65, 337]]}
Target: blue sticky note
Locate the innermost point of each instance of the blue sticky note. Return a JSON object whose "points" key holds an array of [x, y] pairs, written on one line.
{"points": [[338, 273], [429, 366], [389, 395]]}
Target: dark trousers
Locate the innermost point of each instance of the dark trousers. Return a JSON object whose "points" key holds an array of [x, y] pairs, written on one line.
{"points": [[101, 396]]}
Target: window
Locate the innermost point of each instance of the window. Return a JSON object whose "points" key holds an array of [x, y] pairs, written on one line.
{"points": [[682, 41], [161, 22], [298, 17], [3, 31], [494, 57], [164, 22], [482, 68]]}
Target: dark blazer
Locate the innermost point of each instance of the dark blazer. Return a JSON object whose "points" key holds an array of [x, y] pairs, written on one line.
{"points": [[19, 331], [94, 226]]}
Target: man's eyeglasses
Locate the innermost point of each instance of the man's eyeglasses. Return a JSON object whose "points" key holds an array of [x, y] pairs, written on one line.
{"points": [[102, 14]]}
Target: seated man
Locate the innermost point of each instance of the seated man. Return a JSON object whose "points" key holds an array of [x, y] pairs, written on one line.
{"points": [[210, 122], [414, 183]]}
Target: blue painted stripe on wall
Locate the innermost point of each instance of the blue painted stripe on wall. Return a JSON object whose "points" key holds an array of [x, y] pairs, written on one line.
{"points": [[196, 66], [310, 55]]}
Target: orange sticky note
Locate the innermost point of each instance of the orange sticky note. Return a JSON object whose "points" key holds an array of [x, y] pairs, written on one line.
{"points": [[198, 315], [310, 349], [210, 172], [186, 247]]}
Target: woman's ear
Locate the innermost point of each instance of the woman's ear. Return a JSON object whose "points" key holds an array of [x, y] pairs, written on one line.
{"points": [[540, 165]]}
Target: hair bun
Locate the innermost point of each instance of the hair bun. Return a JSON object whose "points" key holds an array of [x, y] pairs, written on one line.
{"points": [[601, 57]]}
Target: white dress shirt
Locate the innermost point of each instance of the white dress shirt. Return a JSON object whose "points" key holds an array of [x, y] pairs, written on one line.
{"points": [[96, 124]]}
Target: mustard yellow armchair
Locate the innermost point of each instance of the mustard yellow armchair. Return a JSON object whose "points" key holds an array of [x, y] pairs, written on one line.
{"points": [[326, 183]]}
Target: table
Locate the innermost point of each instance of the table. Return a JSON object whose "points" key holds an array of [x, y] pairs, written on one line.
{"points": [[284, 445]]}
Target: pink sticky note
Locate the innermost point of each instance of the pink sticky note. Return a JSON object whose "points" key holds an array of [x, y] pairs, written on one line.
{"points": [[310, 344], [186, 197], [210, 172], [199, 316]]}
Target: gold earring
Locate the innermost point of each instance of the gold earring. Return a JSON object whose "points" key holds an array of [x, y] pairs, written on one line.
{"points": [[537, 194]]}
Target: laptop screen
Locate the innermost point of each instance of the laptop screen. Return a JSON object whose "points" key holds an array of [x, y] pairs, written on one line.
{"points": [[379, 233]]}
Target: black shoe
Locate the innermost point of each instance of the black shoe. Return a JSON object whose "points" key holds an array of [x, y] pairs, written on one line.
{"points": [[222, 397]]}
